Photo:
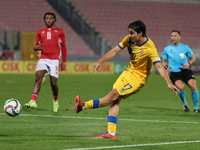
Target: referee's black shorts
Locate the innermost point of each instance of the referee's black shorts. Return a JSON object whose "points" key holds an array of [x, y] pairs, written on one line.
{"points": [[184, 75]]}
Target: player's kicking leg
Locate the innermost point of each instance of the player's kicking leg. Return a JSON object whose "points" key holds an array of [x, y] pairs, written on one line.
{"points": [[113, 111]]}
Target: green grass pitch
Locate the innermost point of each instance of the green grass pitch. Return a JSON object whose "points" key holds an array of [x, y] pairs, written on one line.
{"points": [[152, 119]]}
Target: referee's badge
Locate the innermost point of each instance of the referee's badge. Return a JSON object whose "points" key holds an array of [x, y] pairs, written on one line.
{"points": [[182, 55], [141, 51]]}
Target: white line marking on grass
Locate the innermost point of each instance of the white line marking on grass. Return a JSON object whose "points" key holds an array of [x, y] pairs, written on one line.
{"points": [[137, 145], [76, 117]]}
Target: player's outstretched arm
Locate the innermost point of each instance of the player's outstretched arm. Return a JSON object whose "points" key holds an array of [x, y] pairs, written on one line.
{"points": [[164, 74], [109, 55]]}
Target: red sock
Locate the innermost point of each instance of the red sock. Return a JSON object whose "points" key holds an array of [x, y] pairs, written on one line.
{"points": [[55, 98], [34, 97]]}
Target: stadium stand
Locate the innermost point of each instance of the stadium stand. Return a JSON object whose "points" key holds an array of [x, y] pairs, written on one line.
{"points": [[27, 16], [112, 17]]}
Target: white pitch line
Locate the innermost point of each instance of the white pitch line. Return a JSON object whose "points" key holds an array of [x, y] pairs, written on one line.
{"points": [[137, 145], [76, 117]]}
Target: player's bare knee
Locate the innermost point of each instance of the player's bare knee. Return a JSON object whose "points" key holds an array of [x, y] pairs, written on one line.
{"points": [[117, 101], [181, 87], [113, 95], [193, 88]]}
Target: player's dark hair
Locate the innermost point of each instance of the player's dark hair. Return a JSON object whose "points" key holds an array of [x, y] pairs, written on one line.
{"points": [[50, 13], [176, 31], [138, 26]]}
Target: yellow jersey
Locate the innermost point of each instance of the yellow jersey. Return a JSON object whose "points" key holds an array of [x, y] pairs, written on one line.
{"points": [[36, 55], [142, 56]]}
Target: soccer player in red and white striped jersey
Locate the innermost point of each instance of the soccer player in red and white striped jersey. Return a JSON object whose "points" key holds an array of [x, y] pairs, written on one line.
{"points": [[49, 41]]}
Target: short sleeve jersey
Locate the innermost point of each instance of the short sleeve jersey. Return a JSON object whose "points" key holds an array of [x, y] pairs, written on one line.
{"points": [[50, 38], [142, 56], [177, 56]]}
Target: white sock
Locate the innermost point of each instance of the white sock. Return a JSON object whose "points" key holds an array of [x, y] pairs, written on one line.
{"points": [[111, 133], [83, 106]]}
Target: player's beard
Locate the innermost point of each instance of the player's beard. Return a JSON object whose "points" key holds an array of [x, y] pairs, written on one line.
{"points": [[49, 26]]}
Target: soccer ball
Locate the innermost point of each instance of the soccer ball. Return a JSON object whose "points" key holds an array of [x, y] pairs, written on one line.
{"points": [[12, 107]]}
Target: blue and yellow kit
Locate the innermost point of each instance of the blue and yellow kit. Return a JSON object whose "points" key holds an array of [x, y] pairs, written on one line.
{"points": [[136, 74]]}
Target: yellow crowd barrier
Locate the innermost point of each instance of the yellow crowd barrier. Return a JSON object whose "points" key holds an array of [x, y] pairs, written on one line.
{"points": [[28, 67]]}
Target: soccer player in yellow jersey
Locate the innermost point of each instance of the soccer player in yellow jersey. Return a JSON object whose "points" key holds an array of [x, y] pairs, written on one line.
{"points": [[143, 54]]}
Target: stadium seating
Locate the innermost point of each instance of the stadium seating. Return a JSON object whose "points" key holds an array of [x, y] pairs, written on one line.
{"points": [[111, 18], [27, 16]]}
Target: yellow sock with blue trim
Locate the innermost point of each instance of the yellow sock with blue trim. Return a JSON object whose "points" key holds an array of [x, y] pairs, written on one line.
{"points": [[95, 103], [112, 124]]}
